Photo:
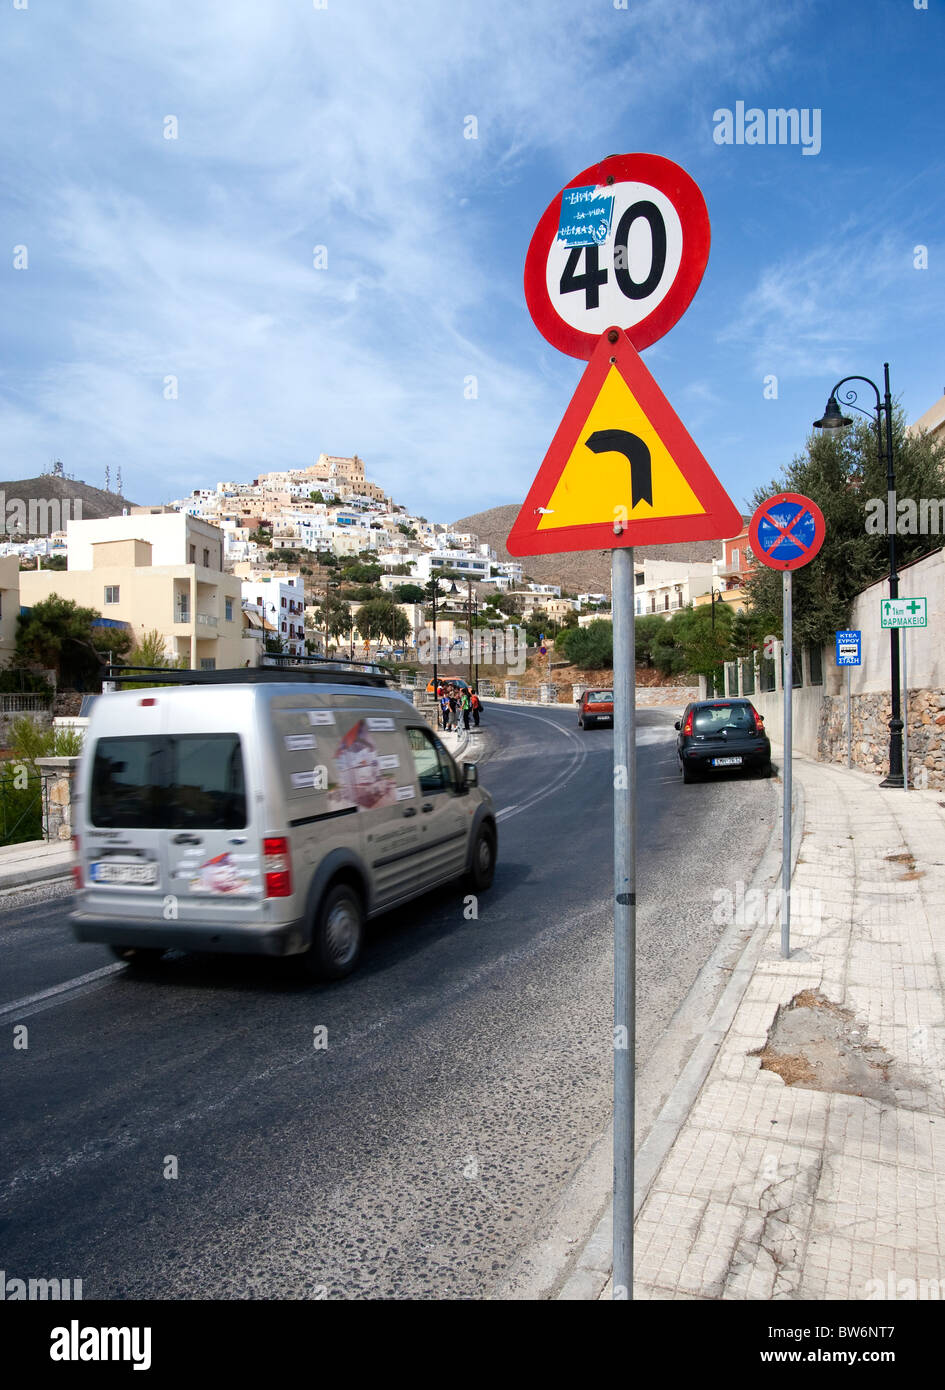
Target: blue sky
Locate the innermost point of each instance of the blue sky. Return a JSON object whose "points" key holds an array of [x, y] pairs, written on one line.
{"points": [[343, 127]]}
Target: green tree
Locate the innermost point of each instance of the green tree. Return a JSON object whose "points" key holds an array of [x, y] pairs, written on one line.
{"points": [[842, 472], [149, 650], [381, 617], [409, 593], [539, 623], [648, 633], [591, 646], [334, 616], [699, 645], [361, 574], [56, 632], [29, 740]]}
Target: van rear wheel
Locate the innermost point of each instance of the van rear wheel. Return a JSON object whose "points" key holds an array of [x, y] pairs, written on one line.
{"points": [[138, 957], [338, 934]]}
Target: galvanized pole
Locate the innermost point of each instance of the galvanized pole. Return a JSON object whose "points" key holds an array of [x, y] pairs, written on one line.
{"points": [[849, 722], [905, 713], [787, 667], [624, 917]]}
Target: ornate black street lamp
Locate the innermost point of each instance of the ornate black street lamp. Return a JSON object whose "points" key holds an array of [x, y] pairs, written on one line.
{"points": [[715, 597], [833, 419], [434, 585]]}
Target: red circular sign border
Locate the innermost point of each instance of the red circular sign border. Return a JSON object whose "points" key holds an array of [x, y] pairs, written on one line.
{"points": [[820, 530], [686, 197]]}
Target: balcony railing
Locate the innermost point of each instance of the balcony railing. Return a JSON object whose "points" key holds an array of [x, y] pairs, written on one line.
{"points": [[207, 620]]}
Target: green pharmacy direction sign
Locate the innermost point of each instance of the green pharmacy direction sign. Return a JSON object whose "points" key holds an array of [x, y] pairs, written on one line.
{"points": [[904, 612]]}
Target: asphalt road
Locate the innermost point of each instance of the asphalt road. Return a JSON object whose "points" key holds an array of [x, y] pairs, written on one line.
{"points": [[467, 1068]]}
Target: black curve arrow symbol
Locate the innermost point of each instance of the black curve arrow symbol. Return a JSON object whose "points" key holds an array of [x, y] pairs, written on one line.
{"points": [[637, 455]]}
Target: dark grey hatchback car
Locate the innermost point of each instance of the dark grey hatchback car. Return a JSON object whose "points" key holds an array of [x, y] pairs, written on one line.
{"points": [[718, 735]]}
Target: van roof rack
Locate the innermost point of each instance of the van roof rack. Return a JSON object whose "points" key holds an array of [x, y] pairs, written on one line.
{"points": [[325, 672]]}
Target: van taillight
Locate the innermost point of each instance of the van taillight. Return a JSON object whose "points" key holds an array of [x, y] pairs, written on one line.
{"points": [[277, 868], [77, 866], [687, 730]]}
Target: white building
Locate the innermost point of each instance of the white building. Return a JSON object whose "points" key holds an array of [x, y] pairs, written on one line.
{"points": [[471, 566], [510, 569], [280, 602], [664, 586]]}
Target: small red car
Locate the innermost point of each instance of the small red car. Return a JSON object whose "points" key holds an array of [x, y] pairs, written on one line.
{"points": [[596, 707]]}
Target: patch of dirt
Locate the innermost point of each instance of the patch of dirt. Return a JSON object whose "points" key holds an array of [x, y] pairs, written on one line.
{"points": [[819, 1045], [908, 860]]}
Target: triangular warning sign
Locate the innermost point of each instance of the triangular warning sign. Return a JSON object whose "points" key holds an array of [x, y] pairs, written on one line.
{"points": [[622, 469]]}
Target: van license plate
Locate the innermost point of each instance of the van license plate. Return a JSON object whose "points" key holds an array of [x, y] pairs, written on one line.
{"points": [[123, 873], [726, 762]]}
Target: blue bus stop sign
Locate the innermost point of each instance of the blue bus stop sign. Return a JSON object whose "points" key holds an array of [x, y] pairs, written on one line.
{"points": [[849, 647]]}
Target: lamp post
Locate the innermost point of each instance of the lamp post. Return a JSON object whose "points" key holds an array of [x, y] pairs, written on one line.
{"points": [[434, 585], [469, 617], [833, 419], [716, 594]]}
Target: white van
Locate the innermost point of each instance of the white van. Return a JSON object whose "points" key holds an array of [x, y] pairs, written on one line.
{"points": [[266, 816]]}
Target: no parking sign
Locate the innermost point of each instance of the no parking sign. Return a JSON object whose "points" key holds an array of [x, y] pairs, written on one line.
{"points": [[785, 533]]}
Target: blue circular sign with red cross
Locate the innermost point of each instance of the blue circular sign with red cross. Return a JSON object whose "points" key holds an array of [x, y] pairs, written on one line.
{"points": [[786, 531]]}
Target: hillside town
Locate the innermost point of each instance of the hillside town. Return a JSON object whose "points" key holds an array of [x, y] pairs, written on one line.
{"points": [[291, 562]]}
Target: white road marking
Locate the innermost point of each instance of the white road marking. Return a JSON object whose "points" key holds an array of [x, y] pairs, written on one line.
{"points": [[46, 998]]}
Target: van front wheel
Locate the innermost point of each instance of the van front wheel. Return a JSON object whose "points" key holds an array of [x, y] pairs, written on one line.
{"points": [[482, 866], [338, 935]]}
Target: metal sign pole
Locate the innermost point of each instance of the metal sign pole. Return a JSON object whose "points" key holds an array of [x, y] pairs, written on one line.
{"points": [[849, 721], [624, 916], [905, 711], [787, 666]]}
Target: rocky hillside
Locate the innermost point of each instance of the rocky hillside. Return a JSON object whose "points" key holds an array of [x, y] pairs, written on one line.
{"points": [[580, 572], [48, 487]]}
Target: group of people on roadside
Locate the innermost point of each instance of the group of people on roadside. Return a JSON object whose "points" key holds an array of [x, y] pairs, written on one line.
{"points": [[458, 702]]}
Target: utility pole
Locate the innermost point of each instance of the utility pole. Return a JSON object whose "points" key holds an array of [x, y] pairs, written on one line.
{"points": [[469, 612]]}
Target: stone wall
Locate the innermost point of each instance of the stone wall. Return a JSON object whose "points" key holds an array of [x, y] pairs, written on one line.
{"points": [[869, 720], [677, 696], [57, 775]]}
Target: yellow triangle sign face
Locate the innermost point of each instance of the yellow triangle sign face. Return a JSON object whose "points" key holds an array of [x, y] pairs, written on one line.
{"points": [[622, 469], [595, 486]]}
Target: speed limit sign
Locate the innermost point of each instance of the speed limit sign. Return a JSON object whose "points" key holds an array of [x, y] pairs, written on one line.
{"points": [[641, 277]]}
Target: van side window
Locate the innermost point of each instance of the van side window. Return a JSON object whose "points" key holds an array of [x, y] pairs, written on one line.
{"points": [[432, 773]]}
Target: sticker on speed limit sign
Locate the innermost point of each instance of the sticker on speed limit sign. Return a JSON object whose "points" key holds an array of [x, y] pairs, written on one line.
{"points": [[641, 278]]}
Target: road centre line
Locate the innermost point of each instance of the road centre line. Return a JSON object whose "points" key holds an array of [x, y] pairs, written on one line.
{"points": [[57, 994], [82, 984]]}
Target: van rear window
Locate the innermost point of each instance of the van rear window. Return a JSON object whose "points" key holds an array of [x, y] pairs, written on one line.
{"points": [[168, 782]]}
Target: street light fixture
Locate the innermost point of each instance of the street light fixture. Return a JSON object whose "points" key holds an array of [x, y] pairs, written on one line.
{"points": [[434, 585], [715, 596], [833, 420]]}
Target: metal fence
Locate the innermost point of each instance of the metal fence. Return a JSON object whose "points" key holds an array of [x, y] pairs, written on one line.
{"points": [[23, 805], [24, 703]]}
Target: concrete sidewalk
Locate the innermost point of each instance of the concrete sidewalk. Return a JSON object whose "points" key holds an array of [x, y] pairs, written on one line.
{"points": [[33, 862], [816, 1170]]}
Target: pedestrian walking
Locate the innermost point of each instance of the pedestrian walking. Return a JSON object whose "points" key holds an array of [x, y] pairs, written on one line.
{"points": [[476, 707], [467, 707]]}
